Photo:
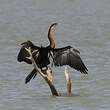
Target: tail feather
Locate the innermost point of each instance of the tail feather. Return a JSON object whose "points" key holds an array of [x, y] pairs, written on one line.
{"points": [[30, 76]]}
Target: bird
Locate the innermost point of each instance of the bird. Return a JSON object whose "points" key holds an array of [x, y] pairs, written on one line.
{"points": [[45, 55]]}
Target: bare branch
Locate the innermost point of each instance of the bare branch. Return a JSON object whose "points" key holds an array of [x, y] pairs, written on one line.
{"points": [[48, 80], [49, 74], [68, 81]]}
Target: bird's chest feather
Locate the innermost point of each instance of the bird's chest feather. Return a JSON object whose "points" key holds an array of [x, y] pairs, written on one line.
{"points": [[43, 56]]}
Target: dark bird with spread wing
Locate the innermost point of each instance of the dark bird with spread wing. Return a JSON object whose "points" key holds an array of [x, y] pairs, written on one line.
{"points": [[49, 54]]}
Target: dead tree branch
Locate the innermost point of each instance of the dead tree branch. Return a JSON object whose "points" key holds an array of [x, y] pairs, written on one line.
{"points": [[68, 81], [47, 79]]}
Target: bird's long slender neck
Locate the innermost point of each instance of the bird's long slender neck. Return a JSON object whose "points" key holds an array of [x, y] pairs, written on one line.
{"points": [[50, 37]]}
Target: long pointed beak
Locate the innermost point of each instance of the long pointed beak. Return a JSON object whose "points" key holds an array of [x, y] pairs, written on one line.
{"points": [[60, 23]]}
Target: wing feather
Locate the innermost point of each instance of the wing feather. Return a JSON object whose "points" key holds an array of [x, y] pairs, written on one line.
{"points": [[69, 56], [23, 54]]}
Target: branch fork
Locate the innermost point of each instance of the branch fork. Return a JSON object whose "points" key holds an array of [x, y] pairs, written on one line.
{"points": [[48, 76]]}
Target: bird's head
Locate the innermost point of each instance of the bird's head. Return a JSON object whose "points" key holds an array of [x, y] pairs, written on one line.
{"points": [[54, 25]]}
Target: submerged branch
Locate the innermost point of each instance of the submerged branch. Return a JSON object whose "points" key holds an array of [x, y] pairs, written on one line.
{"points": [[68, 81]]}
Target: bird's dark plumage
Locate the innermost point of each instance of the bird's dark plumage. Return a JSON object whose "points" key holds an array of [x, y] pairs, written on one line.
{"points": [[30, 76], [69, 56], [43, 55]]}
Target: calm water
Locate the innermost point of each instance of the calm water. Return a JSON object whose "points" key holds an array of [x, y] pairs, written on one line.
{"points": [[86, 27]]}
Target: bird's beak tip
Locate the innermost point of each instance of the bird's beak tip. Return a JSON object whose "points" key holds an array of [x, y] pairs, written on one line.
{"points": [[60, 23]]}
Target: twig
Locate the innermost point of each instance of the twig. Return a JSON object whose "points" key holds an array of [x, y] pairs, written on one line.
{"points": [[50, 83]]}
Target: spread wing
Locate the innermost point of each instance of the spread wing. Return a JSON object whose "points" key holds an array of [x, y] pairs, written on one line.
{"points": [[23, 54], [69, 56]]}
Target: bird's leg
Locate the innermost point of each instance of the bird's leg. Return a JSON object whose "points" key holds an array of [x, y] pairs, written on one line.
{"points": [[68, 81], [52, 87]]}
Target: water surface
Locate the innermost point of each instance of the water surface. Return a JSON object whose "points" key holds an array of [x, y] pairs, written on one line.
{"points": [[86, 27]]}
